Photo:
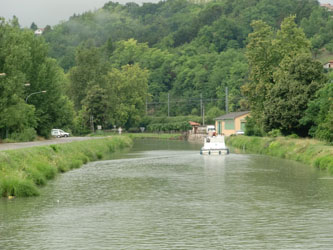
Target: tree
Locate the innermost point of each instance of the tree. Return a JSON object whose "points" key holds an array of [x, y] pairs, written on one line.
{"points": [[288, 98], [90, 68], [23, 57], [33, 26], [127, 91], [319, 114], [97, 106], [262, 59], [283, 77]]}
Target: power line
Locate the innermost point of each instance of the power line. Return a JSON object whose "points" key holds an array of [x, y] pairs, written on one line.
{"points": [[187, 100]]}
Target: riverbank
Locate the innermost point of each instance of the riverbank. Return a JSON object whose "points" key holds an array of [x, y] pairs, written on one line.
{"points": [[22, 171], [308, 151], [162, 136]]}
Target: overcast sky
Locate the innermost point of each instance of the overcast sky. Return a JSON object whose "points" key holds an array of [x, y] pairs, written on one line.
{"points": [[44, 12]]}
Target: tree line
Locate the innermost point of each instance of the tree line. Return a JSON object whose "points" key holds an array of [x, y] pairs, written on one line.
{"points": [[109, 63]]}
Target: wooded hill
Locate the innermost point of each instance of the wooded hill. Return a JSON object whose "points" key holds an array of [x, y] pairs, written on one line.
{"points": [[122, 61]]}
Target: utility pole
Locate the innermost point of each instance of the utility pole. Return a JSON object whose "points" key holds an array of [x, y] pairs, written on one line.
{"points": [[203, 115], [168, 104], [146, 105], [226, 100], [92, 123], [201, 110]]}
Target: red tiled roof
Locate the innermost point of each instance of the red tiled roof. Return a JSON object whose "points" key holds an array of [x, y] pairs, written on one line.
{"points": [[194, 123]]}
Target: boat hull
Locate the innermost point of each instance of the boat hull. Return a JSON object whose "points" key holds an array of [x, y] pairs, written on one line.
{"points": [[214, 151]]}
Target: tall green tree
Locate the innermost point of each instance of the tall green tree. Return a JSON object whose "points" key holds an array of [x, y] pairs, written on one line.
{"points": [[288, 98], [127, 91], [262, 58], [283, 77], [90, 68], [24, 59]]}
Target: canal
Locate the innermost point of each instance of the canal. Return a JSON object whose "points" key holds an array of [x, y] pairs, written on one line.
{"points": [[165, 195]]}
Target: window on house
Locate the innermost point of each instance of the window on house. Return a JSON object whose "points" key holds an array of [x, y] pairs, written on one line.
{"points": [[229, 124]]}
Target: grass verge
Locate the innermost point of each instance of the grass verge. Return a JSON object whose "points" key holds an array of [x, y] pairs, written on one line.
{"points": [[166, 136], [308, 151], [22, 171]]}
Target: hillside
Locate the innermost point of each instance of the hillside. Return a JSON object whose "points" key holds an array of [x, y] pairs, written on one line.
{"points": [[121, 65]]}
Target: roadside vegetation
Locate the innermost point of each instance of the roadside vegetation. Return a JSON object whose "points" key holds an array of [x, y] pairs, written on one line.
{"points": [[168, 136], [308, 151], [23, 171]]}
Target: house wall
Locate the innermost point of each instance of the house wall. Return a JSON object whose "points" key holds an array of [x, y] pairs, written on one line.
{"points": [[238, 121], [237, 125]]}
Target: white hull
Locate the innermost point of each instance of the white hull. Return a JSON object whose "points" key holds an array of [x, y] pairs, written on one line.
{"points": [[214, 145], [215, 152]]}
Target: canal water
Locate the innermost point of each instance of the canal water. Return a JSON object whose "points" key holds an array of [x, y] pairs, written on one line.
{"points": [[165, 195]]}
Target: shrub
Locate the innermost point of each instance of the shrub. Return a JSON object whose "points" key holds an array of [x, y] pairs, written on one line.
{"points": [[252, 128], [274, 133], [28, 134], [166, 127], [293, 136]]}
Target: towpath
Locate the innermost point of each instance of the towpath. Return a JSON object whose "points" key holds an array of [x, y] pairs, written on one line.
{"points": [[9, 146]]}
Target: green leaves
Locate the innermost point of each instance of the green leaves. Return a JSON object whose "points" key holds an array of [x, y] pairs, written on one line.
{"points": [[23, 58], [128, 91], [284, 77]]}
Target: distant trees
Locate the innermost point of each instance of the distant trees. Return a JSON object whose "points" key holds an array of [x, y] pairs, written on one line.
{"points": [[116, 59], [33, 26], [109, 91]]}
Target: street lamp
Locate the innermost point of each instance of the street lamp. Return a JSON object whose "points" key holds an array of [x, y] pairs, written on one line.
{"points": [[26, 99]]}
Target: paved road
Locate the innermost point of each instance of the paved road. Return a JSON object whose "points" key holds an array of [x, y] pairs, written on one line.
{"points": [[9, 146]]}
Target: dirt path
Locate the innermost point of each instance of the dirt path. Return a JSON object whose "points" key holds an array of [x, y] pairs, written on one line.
{"points": [[9, 146]]}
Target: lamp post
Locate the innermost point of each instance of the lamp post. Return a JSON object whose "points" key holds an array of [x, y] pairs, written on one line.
{"points": [[26, 99]]}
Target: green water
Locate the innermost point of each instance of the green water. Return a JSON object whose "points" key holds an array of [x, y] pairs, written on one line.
{"points": [[165, 195]]}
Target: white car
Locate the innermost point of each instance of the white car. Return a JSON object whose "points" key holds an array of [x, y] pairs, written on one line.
{"points": [[59, 133], [210, 128]]}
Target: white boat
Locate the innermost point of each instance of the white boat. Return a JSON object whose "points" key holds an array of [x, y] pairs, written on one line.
{"points": [[214, 145]]}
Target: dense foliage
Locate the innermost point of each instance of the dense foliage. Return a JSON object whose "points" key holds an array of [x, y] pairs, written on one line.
{"points": [[26, 69], [173, 58], [283, 77]]}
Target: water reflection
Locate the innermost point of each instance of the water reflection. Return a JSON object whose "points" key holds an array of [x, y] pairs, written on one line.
{"points": [[164, 195]]}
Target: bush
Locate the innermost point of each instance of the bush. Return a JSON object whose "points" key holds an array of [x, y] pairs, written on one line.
{"points": [[274, 133], [134, 130], [293, 136], [28, 134], [167, 127], [252, 128]]}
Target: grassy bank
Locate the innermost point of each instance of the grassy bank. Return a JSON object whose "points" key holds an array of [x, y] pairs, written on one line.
{"points": [[163, 136], [22, 171], [166, 136], [307, 151]]}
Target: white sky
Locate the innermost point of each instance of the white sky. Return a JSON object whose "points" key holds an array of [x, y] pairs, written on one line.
{"points": [[50, 12], [44, 12]]}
